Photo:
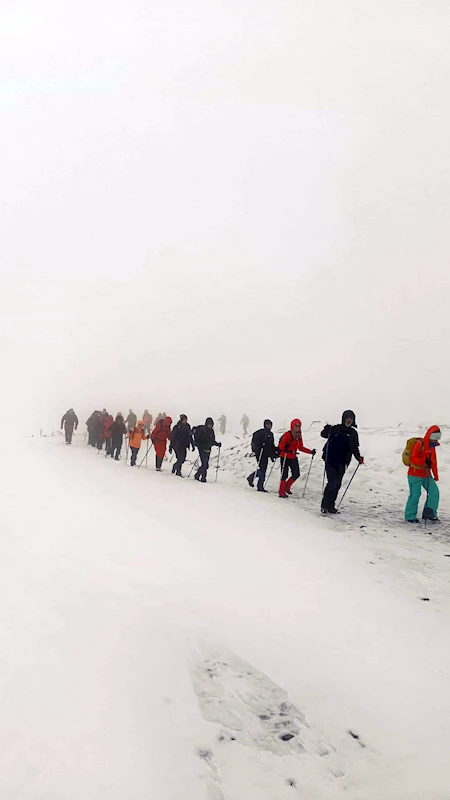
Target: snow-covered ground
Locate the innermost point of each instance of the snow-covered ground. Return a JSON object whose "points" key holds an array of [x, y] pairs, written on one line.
{"points": [[168, 640]]}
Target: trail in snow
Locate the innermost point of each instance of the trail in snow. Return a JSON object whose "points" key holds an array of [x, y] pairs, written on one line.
{"points": [[160, 636]]}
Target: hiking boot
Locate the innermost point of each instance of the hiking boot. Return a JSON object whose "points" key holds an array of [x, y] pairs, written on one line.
{"points": [[179, 474], [196, 477], [250, 480], [412, 521], [173, 470], [333, 510], [323, 510], [203, 480], [263, 490]]}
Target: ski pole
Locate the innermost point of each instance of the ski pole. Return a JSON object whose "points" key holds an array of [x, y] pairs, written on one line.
{"points": [[307, 477], [348, 485], [146, 455], [193, 466], [268, 477], [217, 468]]}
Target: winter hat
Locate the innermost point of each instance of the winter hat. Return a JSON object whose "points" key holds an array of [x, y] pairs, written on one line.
{"points": [[296, 422], [267, 422], [209, 421], [346, 415], [182, 417]]}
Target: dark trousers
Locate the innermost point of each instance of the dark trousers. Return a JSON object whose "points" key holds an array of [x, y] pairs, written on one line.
{"points": [[116, 447], [204, 464], [159, 462], [181, 458], [260, 472], [335, 473], [92, 437], [134, 452], [69, 433], [290, 464]]}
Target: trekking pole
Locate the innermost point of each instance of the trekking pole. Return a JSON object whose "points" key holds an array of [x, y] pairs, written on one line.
{"points": [[193, 466], [307, 477], [257, 465], [348, 485], [146, 455], [268, 477], [217, 468]]}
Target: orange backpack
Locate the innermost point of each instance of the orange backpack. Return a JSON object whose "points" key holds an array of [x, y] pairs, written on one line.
{"points": [[406, 455]]}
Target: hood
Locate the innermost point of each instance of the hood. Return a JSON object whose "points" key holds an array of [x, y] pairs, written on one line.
{"points": [[119, 418], [267, 422], [295, 422], [167, 422], [426, 438], [140, 422], [209, 421], [182, 417], [346, 415]]}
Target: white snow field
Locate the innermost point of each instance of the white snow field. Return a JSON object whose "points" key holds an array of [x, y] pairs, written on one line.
{"points": [[167, 640]]}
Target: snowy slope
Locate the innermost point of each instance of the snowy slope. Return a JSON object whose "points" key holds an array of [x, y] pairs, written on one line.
{"points": [[168, 640]]}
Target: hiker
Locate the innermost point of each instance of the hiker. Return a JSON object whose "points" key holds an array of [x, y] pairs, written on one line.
{"points": [[290, 443], [245, 423], [160, 436], [263, 448], [223, 424], [147, 420], [100, 429], [180, 442], [136, 436], [107, 432], [92, 426], [342, 444], [131, 420], [205, 439], [118, 431], [420, 456], [69, 422]]}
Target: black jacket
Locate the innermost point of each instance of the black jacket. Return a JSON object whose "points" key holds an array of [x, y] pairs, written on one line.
{"points": [[69, 420], [342, 444], [263, 444], [204, 437], [118, 429], [181, 436]]}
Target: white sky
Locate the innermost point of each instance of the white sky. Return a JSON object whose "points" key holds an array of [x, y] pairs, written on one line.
{"points": [[236, 206]]}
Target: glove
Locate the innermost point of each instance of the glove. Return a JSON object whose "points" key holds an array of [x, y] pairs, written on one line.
{"points": [[428, 462], [361, 460], [313, 452], [193, 447], [219, 444], [170, 450]]}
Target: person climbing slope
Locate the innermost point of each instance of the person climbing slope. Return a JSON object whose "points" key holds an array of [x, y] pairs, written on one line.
{"points": [[205, 439], [342, 444], [181, 441], [118, 431], [290, 443], [160, 436], [420, 456], [136, 436], [69, 422], [263, 448]]}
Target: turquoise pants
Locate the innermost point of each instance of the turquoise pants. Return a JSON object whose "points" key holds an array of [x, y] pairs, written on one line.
{"points": [[415, 489]]}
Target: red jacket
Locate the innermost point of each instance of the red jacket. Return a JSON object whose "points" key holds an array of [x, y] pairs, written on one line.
{"points": [[420, 452], [161, 431], [107, 426], [290, 446]]}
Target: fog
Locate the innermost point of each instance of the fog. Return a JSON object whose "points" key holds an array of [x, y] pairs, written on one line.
{"points": [[231, 206]]}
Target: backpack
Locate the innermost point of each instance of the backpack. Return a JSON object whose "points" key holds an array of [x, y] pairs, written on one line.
{"points": [[406, 455]]}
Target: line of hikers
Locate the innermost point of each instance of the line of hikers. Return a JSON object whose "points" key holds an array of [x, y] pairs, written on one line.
{"points": [[342, 443], [103, 430]]}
